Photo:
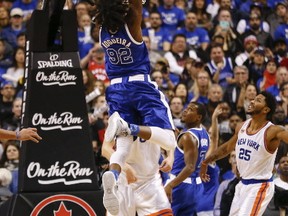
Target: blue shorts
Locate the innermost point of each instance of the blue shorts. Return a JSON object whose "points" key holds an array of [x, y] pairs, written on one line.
{"points": [[185, 197], [139, 102]]}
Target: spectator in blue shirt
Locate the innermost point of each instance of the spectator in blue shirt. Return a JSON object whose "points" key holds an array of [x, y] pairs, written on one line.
{"points": [[17, 26], [197, 37], [158, 36], [172, 16]]}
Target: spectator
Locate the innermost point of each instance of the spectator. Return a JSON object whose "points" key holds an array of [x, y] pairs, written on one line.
{"points": [[250, 44], [97, 122], [4, 17], [223, 119], [284, 96], [254, 17], [197, 37], [176, 107], [234, 119], [201, 87], [231, 44], [254, 28], [85, 42], [100, 85], [236, 14], [81, 8], [223, 163], [21, 40], [277, 17], [16, 26], [255, 6], [280, 32], [153, 55], [228, 195], [10, 161], [169, 80], [256, 65], [88, 82], [280, 51], [16, 71], [13, 124], [203, 17], [281, 77], [215, 96], [5, 180], [269, 76], [159, 37], [27, 6], [10, 156], [95, 61], [159, 77], [220, 67], [247, 94], [279, 117], [192, 68], [223, 17], [6, 101], [223, 189], [172, 16], [178, 56], [181, 91], [281, 186], [5, 57]]}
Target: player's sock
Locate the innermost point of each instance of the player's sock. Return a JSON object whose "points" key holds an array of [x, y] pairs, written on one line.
{"points": [[116, 174]]}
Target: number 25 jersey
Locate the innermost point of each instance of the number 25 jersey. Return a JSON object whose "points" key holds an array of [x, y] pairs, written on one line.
{"points": [[254, 161], [124, 56]]}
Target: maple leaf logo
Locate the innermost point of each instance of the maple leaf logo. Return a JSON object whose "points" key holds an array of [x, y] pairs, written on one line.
{"points": [[62, 211]]}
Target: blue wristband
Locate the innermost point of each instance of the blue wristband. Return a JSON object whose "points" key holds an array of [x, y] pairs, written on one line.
{"points": [[17, 135], [134, 129]]}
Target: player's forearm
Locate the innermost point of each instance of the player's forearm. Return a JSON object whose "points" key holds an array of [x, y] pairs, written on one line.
{"points": [[6, 134], [185, 173], [221, 152]]}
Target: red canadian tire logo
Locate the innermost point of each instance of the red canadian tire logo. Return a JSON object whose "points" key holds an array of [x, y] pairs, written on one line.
{"points": [[62, 210]]}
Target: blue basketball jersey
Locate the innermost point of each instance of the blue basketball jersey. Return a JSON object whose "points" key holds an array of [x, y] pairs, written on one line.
{"points": [[123, 55], [203, 144]]}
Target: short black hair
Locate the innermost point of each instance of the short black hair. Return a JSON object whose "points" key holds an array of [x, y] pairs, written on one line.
{"points": [[178, 35], [270, 102], [201, 110]]}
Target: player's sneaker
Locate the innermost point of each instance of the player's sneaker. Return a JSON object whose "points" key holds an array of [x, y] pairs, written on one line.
{"points": [[116, 127], [110, 200]]}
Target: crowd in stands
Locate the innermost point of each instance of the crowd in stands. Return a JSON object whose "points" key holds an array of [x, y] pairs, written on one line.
{"points": [[209, 51]]}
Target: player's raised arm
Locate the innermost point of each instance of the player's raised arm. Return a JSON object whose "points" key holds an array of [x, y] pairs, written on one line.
{"points": [[221, 152], [134, 19]]}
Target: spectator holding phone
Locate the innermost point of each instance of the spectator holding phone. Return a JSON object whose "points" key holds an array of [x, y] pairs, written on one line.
{"points": [[232, 44]]}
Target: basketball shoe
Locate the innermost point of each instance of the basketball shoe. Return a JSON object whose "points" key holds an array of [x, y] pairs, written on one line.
{"points": [[116, 127]]}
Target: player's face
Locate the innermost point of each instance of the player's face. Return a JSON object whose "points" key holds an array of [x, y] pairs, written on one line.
{"points": [[257, 105], [190, 114]]}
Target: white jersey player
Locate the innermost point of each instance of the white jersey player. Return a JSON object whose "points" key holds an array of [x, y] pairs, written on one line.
{"points": [[256, 142], [146, 194]]}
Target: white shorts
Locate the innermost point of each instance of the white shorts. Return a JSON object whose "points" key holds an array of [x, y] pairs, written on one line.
{"points": [[143, 197], [251, 199]]}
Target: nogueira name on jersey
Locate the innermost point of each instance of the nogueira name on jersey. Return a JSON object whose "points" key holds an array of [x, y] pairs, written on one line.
{"points": [[112, 41], [248, 142]]}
